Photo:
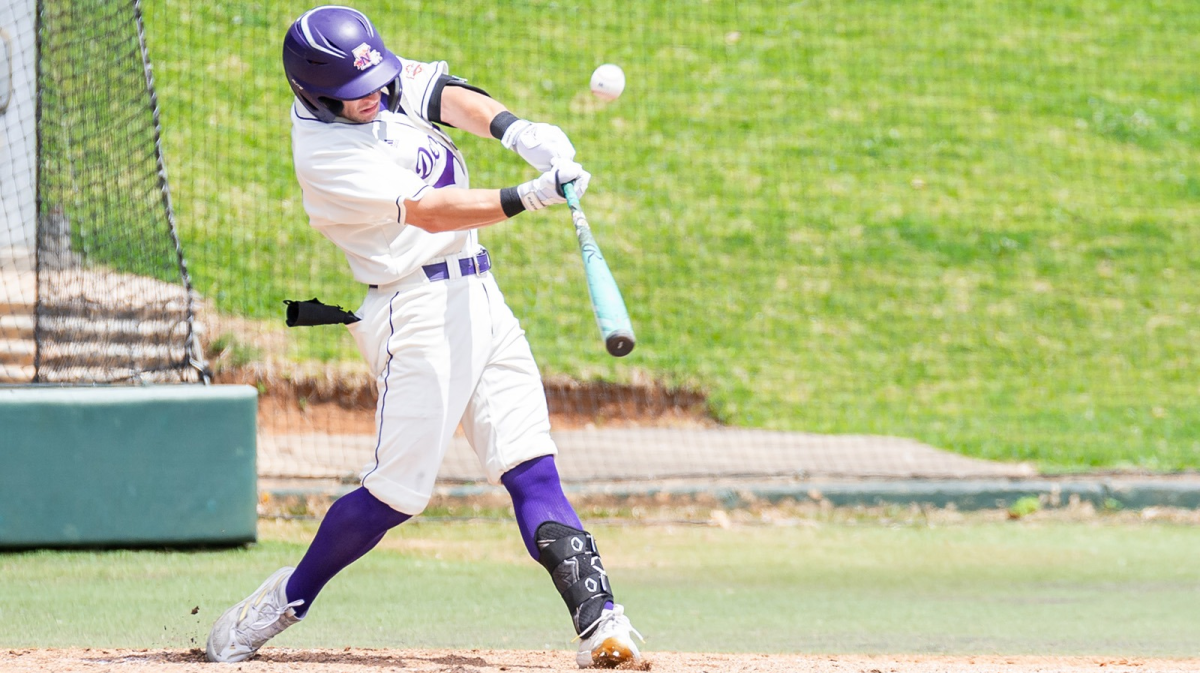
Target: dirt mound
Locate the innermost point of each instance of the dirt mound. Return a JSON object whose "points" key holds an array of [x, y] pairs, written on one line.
{"points": [[334, 399]]}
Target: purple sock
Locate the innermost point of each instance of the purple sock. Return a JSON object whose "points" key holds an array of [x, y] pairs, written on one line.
{"points": [[538, 497], [353, 526]]}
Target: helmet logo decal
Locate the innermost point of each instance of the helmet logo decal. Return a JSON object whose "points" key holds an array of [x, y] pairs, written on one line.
{"points": [[365, 56]]}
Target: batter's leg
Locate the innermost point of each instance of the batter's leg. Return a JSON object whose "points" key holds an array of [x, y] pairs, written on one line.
{"points": [[353, 526], [538, 497], [355, 523], [555, 538]]}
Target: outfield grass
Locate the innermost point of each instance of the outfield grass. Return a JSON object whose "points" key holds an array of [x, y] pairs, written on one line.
{"points": [[972, 223], [1016, 587]]}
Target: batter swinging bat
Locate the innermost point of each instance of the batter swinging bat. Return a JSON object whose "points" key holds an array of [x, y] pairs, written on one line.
{"points": [[607, 303]]}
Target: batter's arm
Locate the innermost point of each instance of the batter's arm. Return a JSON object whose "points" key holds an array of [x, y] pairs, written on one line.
{"points": [[470, 110], [542, 145], [455, 209]]}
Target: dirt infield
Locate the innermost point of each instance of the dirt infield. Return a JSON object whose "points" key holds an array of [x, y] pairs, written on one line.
{"points": [[490, 661]]}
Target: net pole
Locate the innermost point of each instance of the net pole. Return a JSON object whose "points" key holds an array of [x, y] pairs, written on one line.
{"points": [[191, 344]]}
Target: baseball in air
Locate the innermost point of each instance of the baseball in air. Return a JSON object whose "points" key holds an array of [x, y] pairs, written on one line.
{"points": [[608, 81]]}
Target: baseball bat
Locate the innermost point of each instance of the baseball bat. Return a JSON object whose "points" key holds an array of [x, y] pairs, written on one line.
{"points": [[607, 304]]}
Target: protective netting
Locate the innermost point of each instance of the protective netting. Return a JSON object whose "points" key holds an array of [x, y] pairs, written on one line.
{"points": [[98, 291], [18, 208], [846, 232]]}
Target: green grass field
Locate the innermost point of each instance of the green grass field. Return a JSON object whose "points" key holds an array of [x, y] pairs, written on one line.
{"points": [[971, 223], [980, 587]]}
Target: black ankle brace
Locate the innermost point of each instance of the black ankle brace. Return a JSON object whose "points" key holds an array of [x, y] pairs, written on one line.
{"points": [[571, 557]]}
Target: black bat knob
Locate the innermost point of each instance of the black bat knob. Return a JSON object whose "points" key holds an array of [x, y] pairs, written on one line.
{"points": [[619, 343]]}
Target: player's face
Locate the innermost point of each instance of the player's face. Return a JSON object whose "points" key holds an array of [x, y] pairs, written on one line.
{"points": [[363, 109]]}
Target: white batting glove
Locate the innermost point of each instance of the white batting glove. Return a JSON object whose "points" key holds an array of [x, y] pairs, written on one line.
{"points": [[546, 189], [542, 145]]}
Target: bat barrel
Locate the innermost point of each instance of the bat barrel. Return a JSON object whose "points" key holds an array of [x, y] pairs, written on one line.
{"points": [[609, 307]]}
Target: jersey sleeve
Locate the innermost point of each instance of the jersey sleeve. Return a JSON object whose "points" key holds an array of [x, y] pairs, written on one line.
{"points": [[419, 82], [360, 185]]}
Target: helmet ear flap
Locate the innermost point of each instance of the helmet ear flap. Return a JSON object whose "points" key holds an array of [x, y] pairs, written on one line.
{"points": [[392, 91], [322, 113], [332, 104]]}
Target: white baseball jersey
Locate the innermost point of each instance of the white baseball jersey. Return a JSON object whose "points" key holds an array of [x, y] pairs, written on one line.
{"points": [[356, 177], [444, 346]]}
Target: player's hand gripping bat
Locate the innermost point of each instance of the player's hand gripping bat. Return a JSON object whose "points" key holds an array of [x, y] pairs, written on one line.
{"points": [[607, 303]]}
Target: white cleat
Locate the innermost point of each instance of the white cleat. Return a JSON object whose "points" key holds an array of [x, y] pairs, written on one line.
{"points": [[247, 626], [611, 643]]}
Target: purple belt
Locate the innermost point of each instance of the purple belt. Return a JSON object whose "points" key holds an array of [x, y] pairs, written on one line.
{"points": [[467, 266]]}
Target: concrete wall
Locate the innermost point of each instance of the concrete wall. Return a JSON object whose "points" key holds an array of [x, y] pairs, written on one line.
{"points": [[127, 466]]}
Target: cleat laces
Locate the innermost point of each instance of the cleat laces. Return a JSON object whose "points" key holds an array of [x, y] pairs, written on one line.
{"points": [[611, 620], [268, 623]]}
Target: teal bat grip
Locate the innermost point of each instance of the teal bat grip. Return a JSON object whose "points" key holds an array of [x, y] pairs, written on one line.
{"points": [[607, 303]]}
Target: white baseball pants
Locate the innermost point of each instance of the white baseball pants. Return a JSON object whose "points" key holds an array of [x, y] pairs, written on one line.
{"points": [[443, 352]]}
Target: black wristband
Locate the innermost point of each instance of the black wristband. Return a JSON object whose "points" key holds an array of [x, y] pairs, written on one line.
{"points": [[510, 201], [501, 122]]}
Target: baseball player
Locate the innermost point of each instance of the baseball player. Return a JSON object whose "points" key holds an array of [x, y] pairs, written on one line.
{"points": [[384, 182]]}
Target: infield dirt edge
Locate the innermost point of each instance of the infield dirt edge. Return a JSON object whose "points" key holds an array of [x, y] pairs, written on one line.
{"points": [[13, 660]]}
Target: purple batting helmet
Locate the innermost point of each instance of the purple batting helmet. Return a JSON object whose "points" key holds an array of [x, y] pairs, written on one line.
{"points": [[332, 54]]}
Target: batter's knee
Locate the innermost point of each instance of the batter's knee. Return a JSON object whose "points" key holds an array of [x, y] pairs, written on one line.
{"points": [[535, 475], [359, 512], [397, 497]]}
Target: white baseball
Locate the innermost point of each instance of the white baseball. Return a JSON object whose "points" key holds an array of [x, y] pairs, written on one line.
{"points": [[608, 81]]}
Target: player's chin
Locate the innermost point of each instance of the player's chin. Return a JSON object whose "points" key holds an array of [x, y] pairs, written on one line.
{"points": [[364, 116]]}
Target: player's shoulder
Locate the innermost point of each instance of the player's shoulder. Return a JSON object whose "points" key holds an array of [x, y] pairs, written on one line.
{"points": [[419, 71], [418, 82]]}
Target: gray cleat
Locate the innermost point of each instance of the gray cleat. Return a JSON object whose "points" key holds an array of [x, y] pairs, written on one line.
{"points": [[247, 626]]}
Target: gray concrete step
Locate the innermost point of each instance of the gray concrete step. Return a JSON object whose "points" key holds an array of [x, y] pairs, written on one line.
{"points": [[18, 352], [109, 374], [58, 354], [16, 326], [111, 330], [16, 374], [18, 307]]}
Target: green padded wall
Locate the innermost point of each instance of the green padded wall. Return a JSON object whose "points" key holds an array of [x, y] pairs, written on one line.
{"points": [[127, 466]]}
